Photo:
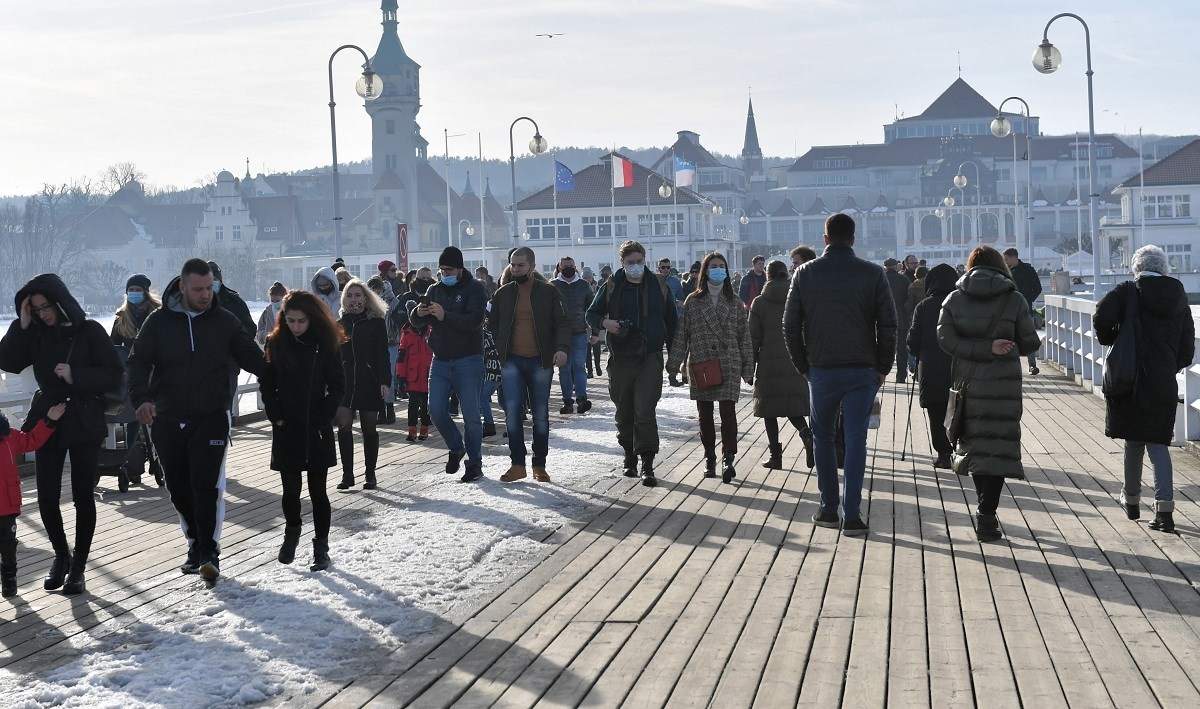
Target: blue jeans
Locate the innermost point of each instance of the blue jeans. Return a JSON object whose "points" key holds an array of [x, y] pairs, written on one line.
{"points": [[853, 390], [572, 378], [393, 353], [485, 401], [465, 377], [525, 375]]}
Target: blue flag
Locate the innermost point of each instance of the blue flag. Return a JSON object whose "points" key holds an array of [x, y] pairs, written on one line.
{"points": [[564, 179]]}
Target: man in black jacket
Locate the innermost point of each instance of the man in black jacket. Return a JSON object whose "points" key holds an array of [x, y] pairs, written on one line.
{"points": [[839, 325], [1028, 285], [898, 283], [455, 308], [532, 334], [178, 374]]}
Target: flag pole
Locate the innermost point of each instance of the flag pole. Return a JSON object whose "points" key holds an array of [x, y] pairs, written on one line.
{"points": [[612, 227], [483, 256], [554, 167], [675, 208]]}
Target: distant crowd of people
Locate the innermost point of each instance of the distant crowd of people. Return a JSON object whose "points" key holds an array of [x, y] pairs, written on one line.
{"points": [[815, 339]]}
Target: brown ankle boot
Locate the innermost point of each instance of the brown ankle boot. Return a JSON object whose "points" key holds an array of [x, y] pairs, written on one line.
{"points": [[423, 434], [515, 472], [412, 434]]}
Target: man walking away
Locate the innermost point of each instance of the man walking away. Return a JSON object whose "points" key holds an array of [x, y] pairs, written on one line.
{"points": [[178, 374], [572, 377], [454, 308], [532, 334], [839, 325], [898, 284], [1028, 285], [754, 281]]}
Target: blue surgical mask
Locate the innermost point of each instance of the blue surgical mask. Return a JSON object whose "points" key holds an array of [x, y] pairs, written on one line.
{"points": [[135, 297], [635, 270], [450, 280], [216, 286], [717, 275]]}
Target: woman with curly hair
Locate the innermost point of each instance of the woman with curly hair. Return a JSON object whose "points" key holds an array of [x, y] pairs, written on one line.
{"points": [[302, 386], [368, 377]]}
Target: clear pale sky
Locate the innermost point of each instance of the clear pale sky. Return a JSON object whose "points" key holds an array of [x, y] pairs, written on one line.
{"points": [[186, 89]]}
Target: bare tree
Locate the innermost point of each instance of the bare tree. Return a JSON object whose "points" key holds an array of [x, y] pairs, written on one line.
{"points": [[105, 284], [117, 175], [241, 265], [39, 238]]}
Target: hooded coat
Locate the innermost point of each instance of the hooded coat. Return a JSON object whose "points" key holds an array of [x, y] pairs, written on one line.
{"points": [[190, 358], [1167, 345], [710, 330], [365, 361], [933, 364], [779, 390], [991, 440], [332, 299], [232, 301], [77, 341], [302, 386]]}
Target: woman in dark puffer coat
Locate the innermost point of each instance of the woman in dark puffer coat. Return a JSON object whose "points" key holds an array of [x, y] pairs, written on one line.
{"points": [[1167, 344], [933, 364], [368, 377], [990, 448], [779, 390]]}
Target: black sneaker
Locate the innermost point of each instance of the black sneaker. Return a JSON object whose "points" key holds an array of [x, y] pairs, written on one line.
{"points": [[191, 565], [855, 528], [210, 570], [568, 407], [474, 472], [1034, 370], [583, 406], [454, 461], [649, 480], [829, 520], [489, 430]]}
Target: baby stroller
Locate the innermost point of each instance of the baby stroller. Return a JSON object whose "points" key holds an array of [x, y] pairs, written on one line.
{"points": [[126, 460]]}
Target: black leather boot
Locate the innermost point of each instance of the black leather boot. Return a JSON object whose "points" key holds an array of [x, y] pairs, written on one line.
{"points": [[987, 528], [727, 471], [291, 538], [8, 580], [807, 437], [648, 478], [1163, 522], [74, 584], [710, 465], [630, 465], [775, 461], [58, 572], [320, 555]]}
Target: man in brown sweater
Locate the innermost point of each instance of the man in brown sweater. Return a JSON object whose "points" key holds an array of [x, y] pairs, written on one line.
{"points": [[533, 335]]}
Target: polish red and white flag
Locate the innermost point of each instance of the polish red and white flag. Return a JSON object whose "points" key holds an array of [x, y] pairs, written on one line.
{"points": [[622, 172]]}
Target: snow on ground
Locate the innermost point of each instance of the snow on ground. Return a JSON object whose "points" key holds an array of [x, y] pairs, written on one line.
{"points": [[399, 572]]}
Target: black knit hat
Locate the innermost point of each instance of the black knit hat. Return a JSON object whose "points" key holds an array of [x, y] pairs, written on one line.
{"points": [[216, 271], [138, 279], [451, 258]]}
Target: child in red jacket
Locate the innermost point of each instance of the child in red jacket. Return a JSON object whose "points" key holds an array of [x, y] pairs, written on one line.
{"points": [[413, 367], [16, 443]]}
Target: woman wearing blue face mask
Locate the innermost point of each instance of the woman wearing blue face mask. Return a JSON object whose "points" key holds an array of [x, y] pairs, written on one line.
{"points": [[139, 303], [713, 335]]}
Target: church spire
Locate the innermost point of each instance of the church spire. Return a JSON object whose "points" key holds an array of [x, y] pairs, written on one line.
{"points": [[751, 152], [467, 189], [390, 58]]}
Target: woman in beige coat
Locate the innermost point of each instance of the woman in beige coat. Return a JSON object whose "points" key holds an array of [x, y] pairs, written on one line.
{"points": [[713, 326]]}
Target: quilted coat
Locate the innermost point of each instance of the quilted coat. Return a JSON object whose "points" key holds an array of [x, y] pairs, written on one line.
{"points": [[779, 390], [418, 359], [991, 441], [1167, 345], [707, 330]]}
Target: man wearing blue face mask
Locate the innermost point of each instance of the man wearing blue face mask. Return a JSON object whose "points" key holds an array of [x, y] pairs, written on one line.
{"points": [[454, 308]]}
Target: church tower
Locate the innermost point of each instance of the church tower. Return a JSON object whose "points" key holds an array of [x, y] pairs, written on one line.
{"points": [[395, 136], [752, 157]]}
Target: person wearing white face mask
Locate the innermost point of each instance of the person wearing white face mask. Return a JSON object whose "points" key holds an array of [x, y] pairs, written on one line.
{"points": [[713, 338], [638, 316]]}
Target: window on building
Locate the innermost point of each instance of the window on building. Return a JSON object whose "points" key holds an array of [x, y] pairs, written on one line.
{"points": [[1176, 206], [833, 180], [659, 224], [831, 163], [621, 227], [149, 264], [597, 227], [390, 127], [544, 228], [237, 232], [713, 177], [218, 233], [881, 179], [1039, 173]]}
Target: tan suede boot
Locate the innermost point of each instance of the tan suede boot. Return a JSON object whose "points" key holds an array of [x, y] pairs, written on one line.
{"points": [[515, 472], [540, 475]]}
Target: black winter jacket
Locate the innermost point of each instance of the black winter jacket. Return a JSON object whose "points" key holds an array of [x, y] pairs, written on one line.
{"points": [[933, 363], [182, 362], [840, 313], [365, 361], [460, 333], [302, 385], [95, 366], [1167, 345], [1028, 283], [576, 296], [898, 284], [626, 302]]}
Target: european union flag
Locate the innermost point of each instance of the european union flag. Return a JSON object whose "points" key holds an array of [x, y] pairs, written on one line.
{"points": [[564, 179]]}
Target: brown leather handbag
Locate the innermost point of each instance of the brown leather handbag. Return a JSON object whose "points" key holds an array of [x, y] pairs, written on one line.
{"points": [[707, 374]]}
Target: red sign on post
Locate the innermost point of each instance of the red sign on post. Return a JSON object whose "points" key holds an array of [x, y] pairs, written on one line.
{"points": [[402, 246]]}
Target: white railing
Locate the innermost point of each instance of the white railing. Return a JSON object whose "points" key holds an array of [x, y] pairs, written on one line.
{"points": [[1071, 344]]}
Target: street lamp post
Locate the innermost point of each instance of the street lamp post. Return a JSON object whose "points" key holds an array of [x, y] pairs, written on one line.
{"points": [[1001, 127], [949, 202], [960, 180], [537, 146], [469, 231], [369, 87], [1047, 59], [449, 216], [664, 191]]}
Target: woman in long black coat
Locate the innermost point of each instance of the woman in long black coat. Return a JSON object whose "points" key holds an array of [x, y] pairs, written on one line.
{"points": [[933, 364], [73, 361], [368, 379], [301, 388], [1167, 344]]}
